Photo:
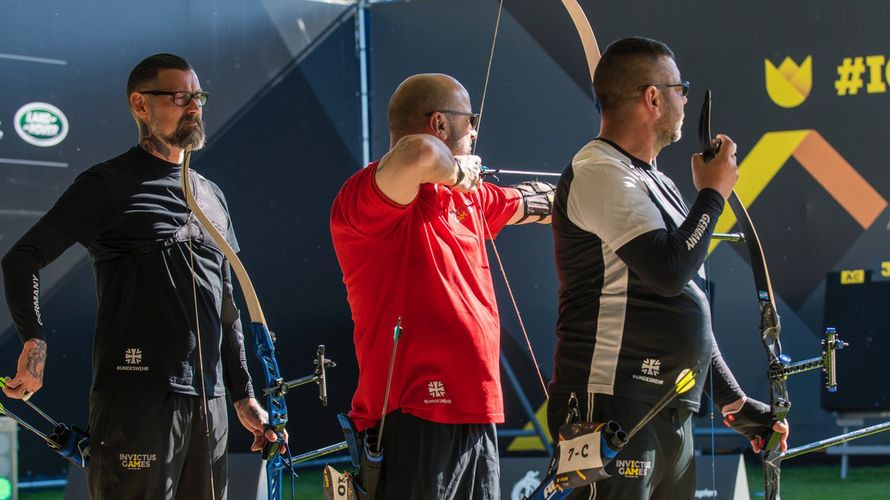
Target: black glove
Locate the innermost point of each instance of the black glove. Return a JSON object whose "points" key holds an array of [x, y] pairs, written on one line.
{"points": [[754, 420]]}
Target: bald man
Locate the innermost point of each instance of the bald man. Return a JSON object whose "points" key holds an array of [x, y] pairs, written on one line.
{"points": [[409, 232]]}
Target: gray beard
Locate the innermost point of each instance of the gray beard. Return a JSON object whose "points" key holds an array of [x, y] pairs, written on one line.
{"points": [[188, 136]]}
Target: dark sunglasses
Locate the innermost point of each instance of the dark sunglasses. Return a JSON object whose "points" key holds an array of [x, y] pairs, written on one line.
{"points": [[684, 85], [474, 117]]}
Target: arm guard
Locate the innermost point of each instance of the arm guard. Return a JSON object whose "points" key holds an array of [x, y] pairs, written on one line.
{"points": [[537, 199]]}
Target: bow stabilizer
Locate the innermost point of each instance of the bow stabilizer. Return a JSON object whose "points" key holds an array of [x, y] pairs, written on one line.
{"points": [[71, 442]]}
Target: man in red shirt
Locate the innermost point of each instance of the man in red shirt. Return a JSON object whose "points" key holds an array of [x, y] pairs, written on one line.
{"points": [[409, 232]]}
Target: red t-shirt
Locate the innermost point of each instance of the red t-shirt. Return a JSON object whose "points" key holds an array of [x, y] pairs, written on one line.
{"points": [[427, 263]]}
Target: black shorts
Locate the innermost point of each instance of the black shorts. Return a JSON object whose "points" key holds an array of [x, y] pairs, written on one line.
{"points": [[152, 445], [657, 463], [430, 461]]}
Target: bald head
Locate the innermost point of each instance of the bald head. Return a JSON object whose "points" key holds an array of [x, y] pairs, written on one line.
{"points": [[626, 64], [421, 94]]}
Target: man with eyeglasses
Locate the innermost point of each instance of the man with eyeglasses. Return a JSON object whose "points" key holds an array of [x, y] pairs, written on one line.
{"points": [[152, 434], [633, 307], [409, 231]]}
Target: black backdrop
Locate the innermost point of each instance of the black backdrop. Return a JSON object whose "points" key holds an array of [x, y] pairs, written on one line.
{"points": [[284, 125]]}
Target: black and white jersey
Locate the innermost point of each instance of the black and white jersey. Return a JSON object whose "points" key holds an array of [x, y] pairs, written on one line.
{"points": [[620, 330]]}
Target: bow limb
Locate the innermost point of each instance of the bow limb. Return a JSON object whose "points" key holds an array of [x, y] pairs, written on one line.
{"points": [[770, 328], [250, 297], [263, 341], [770, 325], [585, 31]]}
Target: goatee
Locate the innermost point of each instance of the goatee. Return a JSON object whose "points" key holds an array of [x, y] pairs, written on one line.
{"points": [[189, 133]]}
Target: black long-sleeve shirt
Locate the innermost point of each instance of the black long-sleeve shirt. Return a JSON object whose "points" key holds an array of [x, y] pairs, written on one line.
{"points": [[130, 214]]}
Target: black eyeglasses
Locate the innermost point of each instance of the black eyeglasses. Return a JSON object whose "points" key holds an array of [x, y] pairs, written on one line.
{"points": [[684, 85], [474, 117], [180, 98]]}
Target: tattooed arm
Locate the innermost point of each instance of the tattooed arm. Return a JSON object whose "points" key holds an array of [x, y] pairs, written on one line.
{"points": [[79, 215], [29, 376], [254, 418], [21, 280]]}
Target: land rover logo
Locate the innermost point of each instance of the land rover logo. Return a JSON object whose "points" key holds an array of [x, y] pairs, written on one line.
{"points": [[41, 124]]}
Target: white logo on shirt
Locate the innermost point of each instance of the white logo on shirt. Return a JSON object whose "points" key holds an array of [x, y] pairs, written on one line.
{"points": [[133, 360], [437, 393], [436, 388], [133, 356], [651, 367]]}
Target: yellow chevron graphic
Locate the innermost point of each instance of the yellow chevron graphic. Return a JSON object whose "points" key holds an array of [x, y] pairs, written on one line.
{"points": [[531, 443], [852, 192]]}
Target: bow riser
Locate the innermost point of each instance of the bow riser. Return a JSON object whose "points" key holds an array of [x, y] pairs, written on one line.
{"points": [[275, 405]]}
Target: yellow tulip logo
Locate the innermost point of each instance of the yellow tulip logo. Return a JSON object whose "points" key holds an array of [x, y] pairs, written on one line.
{"points": [[789, 85]]}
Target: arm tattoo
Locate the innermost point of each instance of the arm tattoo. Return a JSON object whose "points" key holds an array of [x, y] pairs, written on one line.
{"points": [[37, 359], [251, 411]]}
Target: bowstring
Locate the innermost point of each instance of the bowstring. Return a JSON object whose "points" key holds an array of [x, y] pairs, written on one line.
{"points": [[494, 247], [516, 308], [200, 354], [712, 403], [494, 41]]}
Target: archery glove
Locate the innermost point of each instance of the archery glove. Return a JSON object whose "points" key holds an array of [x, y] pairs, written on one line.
{"points": [[468, 173], [754, 419]]}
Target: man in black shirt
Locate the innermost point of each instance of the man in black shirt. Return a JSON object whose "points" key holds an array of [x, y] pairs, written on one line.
{"points": [[633, 310], [157, 411]]}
